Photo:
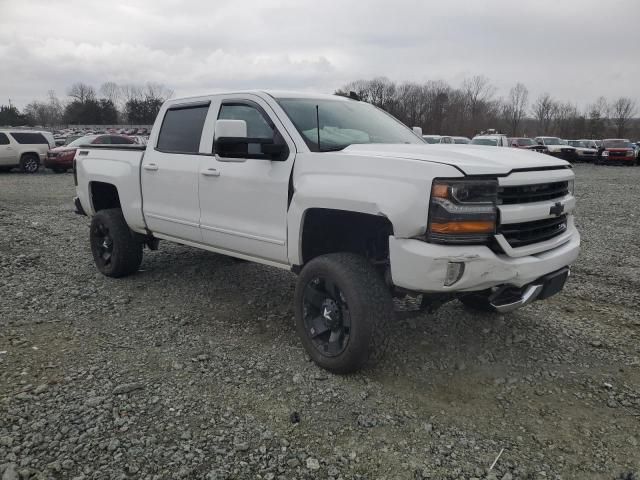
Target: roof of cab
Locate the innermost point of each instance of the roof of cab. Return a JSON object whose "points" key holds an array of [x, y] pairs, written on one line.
{"points": [[272, 93]]}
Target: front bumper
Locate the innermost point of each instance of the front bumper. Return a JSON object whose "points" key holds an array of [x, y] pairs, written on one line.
{"points": [[422, 267]]}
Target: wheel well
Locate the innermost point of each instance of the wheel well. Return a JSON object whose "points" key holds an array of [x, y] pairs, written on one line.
{"points": [[330, 231], [30, 154], [104, 195]]}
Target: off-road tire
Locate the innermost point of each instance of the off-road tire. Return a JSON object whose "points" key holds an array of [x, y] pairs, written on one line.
{"points": [[370, 308], [126, 254], [29, 163]]}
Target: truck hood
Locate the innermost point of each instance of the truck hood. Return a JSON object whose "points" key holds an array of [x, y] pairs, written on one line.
{"points": [[471, 159]]}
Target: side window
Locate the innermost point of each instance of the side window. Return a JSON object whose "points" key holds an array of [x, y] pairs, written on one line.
{"points": [[27, 138], [182, 129], [257, 125], [4, 140]]}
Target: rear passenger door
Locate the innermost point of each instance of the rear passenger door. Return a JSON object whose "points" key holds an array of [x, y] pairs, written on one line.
{"points": [[170, 173]]}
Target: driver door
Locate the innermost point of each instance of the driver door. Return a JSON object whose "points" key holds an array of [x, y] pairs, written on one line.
{"points": [[244, 201]]}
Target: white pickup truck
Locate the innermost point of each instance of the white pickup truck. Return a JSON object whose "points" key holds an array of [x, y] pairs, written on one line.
{"points": [[346, 197]]}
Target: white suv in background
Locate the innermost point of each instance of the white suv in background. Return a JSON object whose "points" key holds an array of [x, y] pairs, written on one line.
{"points": [[495, 140], [26, 149]]}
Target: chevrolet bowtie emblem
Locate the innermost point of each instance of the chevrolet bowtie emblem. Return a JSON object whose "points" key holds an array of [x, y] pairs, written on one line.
{"points": [[557, 209]]}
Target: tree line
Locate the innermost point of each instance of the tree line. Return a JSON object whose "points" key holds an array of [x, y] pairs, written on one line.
{"points": [[110, 104], [472, 107]]}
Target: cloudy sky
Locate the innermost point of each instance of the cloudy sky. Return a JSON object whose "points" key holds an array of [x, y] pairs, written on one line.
{"points": [[574, 49]]}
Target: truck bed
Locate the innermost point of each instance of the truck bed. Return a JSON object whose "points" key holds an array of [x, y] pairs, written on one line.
{"points": [[117, 165]]}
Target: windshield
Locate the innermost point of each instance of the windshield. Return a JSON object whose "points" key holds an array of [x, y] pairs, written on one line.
{"points": [[616, 144], [526, 142], [578, 143], [485, 141], [82, 141], [343, 123], [461, 140], [552, 141], [432, 139]]}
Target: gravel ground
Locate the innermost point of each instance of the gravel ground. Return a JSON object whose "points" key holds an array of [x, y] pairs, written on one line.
{"points": [[192, 369]]}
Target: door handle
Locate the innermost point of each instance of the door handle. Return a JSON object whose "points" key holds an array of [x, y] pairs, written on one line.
{"points": [[210, 172], [150, 166]]}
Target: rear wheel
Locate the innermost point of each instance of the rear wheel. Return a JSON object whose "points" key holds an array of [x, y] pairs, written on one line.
{"points": [[342, 308], [30, 163], [115, 249]]}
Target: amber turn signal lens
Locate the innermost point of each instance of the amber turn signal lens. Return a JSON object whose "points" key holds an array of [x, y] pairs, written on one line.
{"points": [[440, 191], [463, 227]]}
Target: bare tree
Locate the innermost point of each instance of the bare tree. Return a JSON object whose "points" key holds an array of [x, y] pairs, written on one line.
{"points": [[623, 110], [156, 91], [110, 91], [598, 118], [544, 111], [478, 92], [82, 92], [515, 108]]}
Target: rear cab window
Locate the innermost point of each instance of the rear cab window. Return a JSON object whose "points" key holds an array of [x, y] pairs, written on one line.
{"points": [[181, 129]]}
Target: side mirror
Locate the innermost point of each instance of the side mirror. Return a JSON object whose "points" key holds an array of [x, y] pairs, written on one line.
{"points": [[231, 143], [417, 131]]}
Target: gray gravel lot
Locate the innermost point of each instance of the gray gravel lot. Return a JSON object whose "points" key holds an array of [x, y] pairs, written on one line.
{"points": [[192, 369]]}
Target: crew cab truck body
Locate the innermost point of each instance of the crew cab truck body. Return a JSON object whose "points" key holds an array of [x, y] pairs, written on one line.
{"points": [[345, 196]]}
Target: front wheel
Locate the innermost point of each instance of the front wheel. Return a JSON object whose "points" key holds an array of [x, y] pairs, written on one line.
{"points": [[116, 251], [342, 308]]}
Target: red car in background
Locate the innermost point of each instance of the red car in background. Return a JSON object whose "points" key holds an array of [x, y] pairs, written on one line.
{"points": [[617, 150], [60, 159]]}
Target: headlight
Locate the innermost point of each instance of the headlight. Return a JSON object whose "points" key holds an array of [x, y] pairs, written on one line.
{"points": [[571, 186], [630, 153], [605, 153], [462, 211]]}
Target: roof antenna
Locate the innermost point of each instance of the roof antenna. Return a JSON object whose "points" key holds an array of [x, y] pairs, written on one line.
{"points": [[354, 96], [318, 126]]}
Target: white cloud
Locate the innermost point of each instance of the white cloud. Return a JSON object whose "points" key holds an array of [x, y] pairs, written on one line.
{"points": [[577, 50]]}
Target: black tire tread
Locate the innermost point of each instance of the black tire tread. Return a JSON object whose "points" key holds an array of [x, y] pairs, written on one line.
{"points": [[355, 272], [128, 256]]}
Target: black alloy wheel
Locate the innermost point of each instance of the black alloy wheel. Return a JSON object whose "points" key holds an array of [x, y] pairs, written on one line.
{"points": [[103, 244], [326, 316]]}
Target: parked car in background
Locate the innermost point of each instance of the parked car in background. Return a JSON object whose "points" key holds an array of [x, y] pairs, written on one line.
{"points": [[461, 140], [497, 140], [527, 144], [617, 150], [557, 148], [139, 139], [583, 150], [25, 149], [438, 139], [60, 159]]}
